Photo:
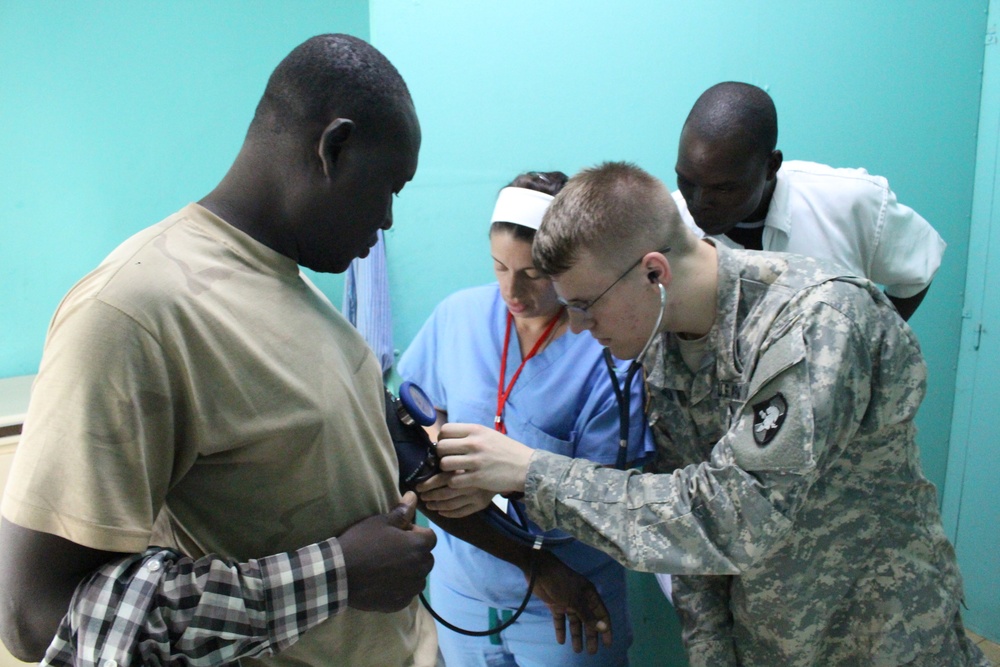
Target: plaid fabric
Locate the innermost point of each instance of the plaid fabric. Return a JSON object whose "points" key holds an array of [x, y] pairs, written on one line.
{"points": [[160, 608]]}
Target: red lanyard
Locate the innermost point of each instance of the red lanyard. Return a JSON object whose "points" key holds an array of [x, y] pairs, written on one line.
{"points": [[501, 393]]}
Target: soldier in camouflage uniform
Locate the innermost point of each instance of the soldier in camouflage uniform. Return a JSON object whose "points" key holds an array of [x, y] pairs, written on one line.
{"points": [[787, 486]]}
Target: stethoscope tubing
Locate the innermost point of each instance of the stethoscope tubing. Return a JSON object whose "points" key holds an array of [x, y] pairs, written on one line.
{"points": [[506, 524], [624, 393]]}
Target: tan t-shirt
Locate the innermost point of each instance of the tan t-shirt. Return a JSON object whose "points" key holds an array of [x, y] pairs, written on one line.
{"points": [[196, 391]]}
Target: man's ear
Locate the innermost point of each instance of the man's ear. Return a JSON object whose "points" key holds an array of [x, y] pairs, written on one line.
{"points": [[334, 136], [657, 268], [774, 161]]}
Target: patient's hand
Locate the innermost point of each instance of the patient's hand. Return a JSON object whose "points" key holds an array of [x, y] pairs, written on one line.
{"points": [[450, 502], [574, 603]]}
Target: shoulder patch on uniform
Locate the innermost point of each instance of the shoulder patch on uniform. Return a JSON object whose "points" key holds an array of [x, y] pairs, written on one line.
{"points": [[768, 416]]}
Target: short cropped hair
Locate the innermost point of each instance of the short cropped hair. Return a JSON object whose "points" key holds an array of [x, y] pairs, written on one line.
{"points": [[548, 182], [614, 211], [736, 112], [328, 76]]}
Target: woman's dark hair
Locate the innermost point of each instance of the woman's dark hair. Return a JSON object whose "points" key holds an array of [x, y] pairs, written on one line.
{"points": [[549, 182]]}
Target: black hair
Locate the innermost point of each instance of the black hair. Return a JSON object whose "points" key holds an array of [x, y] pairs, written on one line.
{"points": [[549, 182], [738, 112], [326, 76]]}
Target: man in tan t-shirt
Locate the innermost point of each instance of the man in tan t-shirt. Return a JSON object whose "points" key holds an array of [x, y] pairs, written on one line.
{"points": [[198, 393]]}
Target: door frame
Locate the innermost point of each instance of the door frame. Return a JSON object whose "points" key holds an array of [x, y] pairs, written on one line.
{"points": [[984, 205], [985, 209]]}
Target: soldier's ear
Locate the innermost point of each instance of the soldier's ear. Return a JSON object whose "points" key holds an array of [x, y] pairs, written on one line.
{"points": [[657, 268]]}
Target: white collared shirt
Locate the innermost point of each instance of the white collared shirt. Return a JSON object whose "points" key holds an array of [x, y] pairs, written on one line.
{"points": [[851, 217]]}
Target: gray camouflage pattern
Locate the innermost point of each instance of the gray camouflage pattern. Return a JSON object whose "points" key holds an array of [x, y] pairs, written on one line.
{"points": [[817, 542]]}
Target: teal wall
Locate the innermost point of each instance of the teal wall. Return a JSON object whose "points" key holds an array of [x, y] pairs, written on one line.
{"points": [[113, 115], [970, 511], [563, 84], [504, 87]]}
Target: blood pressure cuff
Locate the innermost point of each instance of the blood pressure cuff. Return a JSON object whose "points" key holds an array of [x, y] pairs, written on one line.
{"points": [[414, 449]]}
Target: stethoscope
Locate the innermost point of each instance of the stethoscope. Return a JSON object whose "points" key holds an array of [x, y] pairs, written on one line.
{"points": [[624, 393], [418, 461]]}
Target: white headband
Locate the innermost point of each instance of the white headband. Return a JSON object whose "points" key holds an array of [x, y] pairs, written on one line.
{"points": [[521, 206]]}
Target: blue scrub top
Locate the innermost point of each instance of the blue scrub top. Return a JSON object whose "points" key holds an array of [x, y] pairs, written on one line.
{"points": [[562, 402]]}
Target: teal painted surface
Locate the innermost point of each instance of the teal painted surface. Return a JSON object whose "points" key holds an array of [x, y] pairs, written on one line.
{"points": [[112, 116], [504, 87], [971, 512], [655, 625]]}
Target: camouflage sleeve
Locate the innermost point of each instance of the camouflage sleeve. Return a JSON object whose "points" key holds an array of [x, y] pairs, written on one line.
{"points": [[698, 519], [702, 604], [807, 394]]}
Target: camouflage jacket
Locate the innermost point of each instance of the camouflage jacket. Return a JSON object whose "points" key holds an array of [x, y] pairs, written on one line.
{"points": [[787, 477]]}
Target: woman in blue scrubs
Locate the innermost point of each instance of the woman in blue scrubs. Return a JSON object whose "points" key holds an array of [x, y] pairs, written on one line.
{"points": [[503, 355]]}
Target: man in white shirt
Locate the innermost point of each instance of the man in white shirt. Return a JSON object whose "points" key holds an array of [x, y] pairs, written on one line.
{"points": [[734, 187]]}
